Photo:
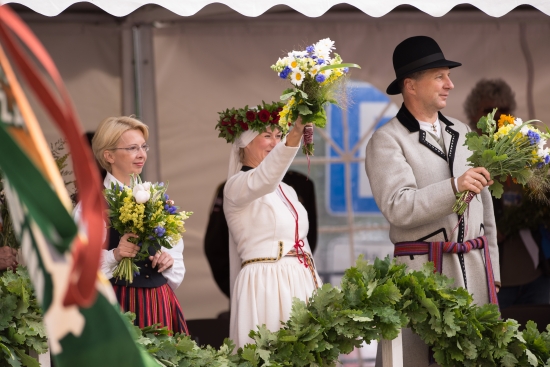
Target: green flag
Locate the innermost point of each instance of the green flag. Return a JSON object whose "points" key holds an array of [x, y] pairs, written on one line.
{"points": [[83, 320]]}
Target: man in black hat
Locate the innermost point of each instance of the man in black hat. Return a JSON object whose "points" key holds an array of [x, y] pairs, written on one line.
{"points": [[416, 164]]}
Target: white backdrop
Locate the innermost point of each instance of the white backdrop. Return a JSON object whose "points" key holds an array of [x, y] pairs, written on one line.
{"points": [[204, 66]]}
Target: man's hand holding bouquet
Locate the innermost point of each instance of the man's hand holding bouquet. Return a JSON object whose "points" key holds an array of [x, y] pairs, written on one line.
{"points": [[507, 148], [146, 218]]}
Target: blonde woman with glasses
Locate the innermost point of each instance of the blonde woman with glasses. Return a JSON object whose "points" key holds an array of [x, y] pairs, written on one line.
{"points": [[120, 146]]}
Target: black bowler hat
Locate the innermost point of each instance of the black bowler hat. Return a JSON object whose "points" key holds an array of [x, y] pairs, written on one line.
{"points": [[416, 54]]}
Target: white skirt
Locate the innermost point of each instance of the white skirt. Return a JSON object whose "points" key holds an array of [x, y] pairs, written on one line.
{"points": [[263, 294]]}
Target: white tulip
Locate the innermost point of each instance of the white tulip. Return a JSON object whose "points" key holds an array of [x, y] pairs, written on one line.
{"points": [[142, 196], [137, 188]]}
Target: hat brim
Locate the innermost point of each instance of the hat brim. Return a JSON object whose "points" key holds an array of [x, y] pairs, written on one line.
{"points": [[393, 88]]}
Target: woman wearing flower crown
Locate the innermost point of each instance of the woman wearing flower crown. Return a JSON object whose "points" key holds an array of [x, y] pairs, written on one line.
{"points": [[271, 260], [119, 145]]}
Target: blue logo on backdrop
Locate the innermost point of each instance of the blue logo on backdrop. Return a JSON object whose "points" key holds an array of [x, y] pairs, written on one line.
{"points": [[369, 109]]}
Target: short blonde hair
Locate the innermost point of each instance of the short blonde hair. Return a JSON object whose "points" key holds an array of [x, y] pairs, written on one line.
{"points": [[108, 133]]}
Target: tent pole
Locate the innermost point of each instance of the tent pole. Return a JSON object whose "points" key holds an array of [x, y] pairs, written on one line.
{"points": [[139, 89]]}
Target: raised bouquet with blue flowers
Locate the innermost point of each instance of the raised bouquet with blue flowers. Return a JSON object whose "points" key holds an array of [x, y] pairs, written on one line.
{"points": [[507, 148], [316, 80], [144, 209]]}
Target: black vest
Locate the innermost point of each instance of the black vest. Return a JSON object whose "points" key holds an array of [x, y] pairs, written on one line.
{"points": [[147, 278]]}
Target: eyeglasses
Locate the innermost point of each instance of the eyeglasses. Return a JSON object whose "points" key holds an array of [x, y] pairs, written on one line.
{"points": [[134, 149]]}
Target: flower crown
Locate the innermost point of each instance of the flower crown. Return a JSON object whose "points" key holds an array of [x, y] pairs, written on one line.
{"points": [[233, 122]]}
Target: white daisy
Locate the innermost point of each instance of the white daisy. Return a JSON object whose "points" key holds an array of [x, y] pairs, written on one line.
{"points": [[324, 47], [314, 70], [298, 54], [326, 73], [518, 121], [297, 77], [294, 64]]}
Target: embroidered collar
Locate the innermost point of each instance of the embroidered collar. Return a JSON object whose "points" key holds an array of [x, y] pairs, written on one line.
{"points": [[434, 129], [406, 118]]}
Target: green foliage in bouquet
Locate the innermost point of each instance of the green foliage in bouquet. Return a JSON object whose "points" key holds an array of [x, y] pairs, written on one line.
{"points": [[375, 301], [511, 148], [21, 326], [317, 79], [145, 210]]}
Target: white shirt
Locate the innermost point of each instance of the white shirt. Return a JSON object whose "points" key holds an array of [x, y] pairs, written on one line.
{"points": [[434, 129], [174, 275]]}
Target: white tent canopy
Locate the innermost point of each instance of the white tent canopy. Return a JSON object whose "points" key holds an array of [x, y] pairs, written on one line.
{"points": [[311, 8]]}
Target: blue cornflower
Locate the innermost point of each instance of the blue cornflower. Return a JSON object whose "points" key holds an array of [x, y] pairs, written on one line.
{"points": [[172, 210], [136, 273], [166, 197], [139, 244], [540, 165], [167, 207], [547, 159], [534, 138], [159, 231], [284, 74], [346, 70], [320, 78], [161, 184], [320, 61], [310, 49]]}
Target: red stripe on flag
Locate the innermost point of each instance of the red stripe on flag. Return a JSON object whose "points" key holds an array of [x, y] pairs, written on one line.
{"points": [[86, 254]]}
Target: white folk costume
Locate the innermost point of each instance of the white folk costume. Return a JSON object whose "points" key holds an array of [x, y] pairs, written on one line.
{"points": [[411, 177], [267, 251]]}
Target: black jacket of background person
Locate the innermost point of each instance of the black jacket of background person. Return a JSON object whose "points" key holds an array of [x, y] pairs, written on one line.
{"points": [[216, 241]]}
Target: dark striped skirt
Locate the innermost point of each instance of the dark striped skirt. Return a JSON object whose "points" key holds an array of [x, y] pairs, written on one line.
{"points": [[152, 306]]}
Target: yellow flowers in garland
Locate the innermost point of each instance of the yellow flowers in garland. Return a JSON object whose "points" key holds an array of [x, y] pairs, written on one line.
{"points": [[144, 209]]}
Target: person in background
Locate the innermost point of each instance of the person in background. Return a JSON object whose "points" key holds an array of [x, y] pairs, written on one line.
{"points": [[524, 268], [416, 164], [120, 147], [216, 240]]}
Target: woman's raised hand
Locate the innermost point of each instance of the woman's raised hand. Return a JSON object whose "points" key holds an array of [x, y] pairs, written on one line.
{"points": [[295, 134], [126, 248]]}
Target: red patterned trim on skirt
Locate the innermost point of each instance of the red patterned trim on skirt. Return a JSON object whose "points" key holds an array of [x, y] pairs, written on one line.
{"points": [[152, 306]]}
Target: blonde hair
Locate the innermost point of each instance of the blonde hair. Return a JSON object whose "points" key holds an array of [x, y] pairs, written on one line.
{"points": [[108, 133]]}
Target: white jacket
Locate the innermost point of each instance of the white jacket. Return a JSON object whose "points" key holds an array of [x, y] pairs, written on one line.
{"points": [[261, 225]]}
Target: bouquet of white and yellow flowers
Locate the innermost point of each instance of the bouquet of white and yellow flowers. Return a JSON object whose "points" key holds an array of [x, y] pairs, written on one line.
{"points": [[316, 78], [145, 210], [509, 147]]}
